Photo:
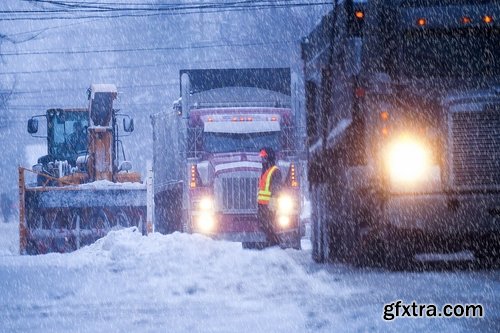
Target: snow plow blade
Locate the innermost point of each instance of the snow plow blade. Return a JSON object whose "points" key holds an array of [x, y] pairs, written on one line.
{"points": [[63, 219]]}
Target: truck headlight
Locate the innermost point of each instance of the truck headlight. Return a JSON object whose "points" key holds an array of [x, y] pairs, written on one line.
{"points": [[285, 204], [206, 204], [206, 222], [284, 221], [408, 160], [204, 214]]}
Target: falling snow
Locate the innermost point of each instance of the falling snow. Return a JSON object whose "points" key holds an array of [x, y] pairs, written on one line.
{"points": [[128, 282]]}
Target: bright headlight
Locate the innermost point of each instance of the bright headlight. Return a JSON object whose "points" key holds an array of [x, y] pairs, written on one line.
{"points": [[285, 204], [408, 160], [284, 221], [206, 222], [206, 204]]}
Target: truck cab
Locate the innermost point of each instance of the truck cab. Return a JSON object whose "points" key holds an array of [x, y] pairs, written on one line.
{"points": [[226, 169]]}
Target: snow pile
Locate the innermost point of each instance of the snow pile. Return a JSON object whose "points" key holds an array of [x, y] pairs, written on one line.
{"points": [[178, 282], [206, 266], [106, 184], [126, 282], [9, 238]]}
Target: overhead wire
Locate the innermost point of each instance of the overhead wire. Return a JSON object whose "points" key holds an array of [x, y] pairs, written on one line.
{"points": [[157, 11], [105, 10], [147, 49]]}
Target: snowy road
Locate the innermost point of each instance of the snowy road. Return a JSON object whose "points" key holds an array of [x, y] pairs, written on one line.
{"points": [[189, 283]]}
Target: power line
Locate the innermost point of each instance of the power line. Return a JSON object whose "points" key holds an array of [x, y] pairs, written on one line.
{"points": [[82, 69], [177, 9], [80, 6], [171, 48], [124, 87], [38, 31]]}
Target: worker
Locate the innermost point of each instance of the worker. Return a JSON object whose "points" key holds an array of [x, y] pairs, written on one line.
{"points": [[78, 139], [269, 187]]}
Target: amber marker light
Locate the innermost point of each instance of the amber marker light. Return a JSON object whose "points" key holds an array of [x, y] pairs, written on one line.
{"points": [[384, 115], [359, 14], [421, 22], [487, 19], [466, 20], [359, 92], [192, 183]]}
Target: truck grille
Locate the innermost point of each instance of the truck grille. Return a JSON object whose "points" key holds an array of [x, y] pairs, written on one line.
{"points": [[475, 149], [239, 194]]}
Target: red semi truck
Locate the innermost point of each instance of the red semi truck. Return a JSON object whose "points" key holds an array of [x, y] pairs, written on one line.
{"points": [[206, 163]]}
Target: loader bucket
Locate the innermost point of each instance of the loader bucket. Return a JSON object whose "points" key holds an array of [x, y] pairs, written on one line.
{"points": [[63, 219]]}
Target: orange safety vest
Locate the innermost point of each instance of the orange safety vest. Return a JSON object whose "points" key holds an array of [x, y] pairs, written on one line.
{"points": [[264, 195]]}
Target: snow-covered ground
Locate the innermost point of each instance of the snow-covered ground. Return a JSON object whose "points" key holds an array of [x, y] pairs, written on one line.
{"points": [[127, 282]]}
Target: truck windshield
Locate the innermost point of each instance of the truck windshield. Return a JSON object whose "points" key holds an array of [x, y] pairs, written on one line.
{"points": [[236, 142], [67, 134], [464, 52]]}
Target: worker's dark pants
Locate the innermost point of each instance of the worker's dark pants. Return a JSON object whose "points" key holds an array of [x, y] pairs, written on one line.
{"points": [[266, 219]]}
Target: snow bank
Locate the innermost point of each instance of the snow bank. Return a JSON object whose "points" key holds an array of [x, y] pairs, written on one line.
{"points": [[178, 282], [126, 282], [192, 264], [9, 238], [106, 184]]}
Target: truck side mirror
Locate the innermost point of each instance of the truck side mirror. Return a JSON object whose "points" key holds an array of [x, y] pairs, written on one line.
{"points": [[32, 126], [128, 124]]}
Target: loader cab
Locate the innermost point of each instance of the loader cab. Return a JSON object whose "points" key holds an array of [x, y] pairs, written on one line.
{"points": [[67, 133]]}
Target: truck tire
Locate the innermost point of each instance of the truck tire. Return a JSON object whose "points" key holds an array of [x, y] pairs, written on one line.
{"points": [[364, 249], [487, 249], [291, 241], [319, 236], [255, 245], [398, 252], [316, 236]]}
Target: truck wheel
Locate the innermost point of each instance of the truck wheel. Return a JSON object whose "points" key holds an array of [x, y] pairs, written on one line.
{"points": [[327, 242], [291, 241], [368, 251], [487, 249], [322, 231], [255, 245], [397, 251], [296, 244], [316, 237]]}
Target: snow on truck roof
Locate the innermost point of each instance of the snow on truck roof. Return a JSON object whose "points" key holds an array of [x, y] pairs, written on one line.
{"points": [[239, 96], [240, 110], [102, 87]]}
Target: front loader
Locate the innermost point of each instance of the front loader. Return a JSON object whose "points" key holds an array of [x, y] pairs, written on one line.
{"points": [[72, 197]]}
